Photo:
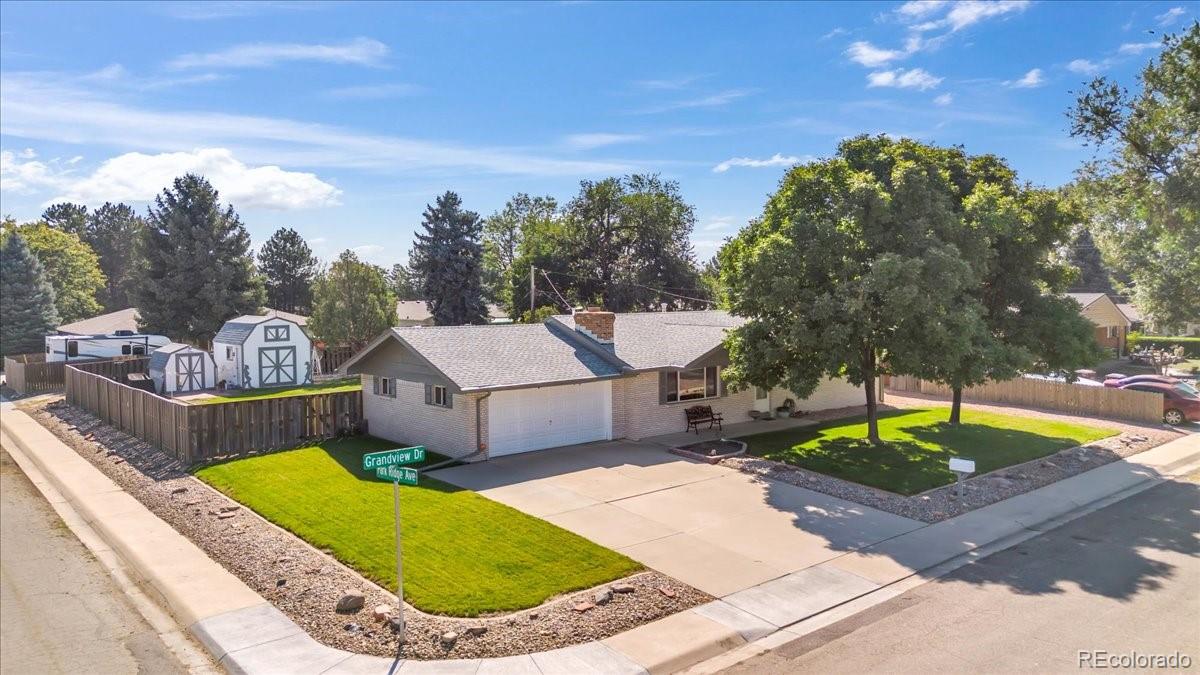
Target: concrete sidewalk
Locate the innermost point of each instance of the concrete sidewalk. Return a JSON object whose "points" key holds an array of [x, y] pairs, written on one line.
{"points": [[248, 635]]}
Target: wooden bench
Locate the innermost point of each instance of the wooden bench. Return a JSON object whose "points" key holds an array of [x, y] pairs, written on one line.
{"points": [[699, 414]]}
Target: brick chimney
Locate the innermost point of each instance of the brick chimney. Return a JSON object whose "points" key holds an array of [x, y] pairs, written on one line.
{"points": [[595, 323]]}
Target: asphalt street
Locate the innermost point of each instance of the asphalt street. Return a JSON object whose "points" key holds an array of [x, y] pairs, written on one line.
{"points": [[1122, 580], [62, 613]]}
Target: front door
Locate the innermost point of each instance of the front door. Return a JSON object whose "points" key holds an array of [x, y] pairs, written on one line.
{"points": [[276, 366], [762, 399], [189, 372]]}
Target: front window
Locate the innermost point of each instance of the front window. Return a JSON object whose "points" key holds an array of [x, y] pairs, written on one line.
{"points": [[385, 386], [439, 396], [692, 385], [1112, 332]]}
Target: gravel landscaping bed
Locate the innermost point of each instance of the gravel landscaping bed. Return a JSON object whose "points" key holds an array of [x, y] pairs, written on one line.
{"points": [[307, 584], [941, 503]]}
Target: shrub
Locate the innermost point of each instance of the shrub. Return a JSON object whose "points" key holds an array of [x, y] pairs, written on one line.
{"points": [[1191, 345]]}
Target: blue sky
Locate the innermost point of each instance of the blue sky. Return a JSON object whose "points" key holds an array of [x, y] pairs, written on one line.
{"points": [[344, 120]]}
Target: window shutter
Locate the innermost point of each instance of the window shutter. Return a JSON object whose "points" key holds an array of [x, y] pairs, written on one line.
{"points": [[392, 389], [449, 399], [375, 384], [428, 394], [662, 386]]}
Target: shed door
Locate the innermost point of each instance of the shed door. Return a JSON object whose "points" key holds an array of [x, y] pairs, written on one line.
{"points": [[521, 420], [276, 366], [189, 372]]}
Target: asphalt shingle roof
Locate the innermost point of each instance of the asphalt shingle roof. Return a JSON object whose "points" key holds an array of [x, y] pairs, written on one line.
{"points": [[1085, 299], [236, 330], [499, 356], [104, 324], [160, 356], [650, 340]]}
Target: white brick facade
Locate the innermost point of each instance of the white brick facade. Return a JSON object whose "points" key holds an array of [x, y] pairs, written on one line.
{"points": [[406, 418], [645, 416]]}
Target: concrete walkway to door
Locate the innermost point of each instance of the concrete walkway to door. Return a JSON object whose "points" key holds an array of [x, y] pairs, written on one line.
{"points": [[714, 528]]}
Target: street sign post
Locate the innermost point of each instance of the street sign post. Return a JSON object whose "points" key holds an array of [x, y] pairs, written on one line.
{"points": [[387, 466]]}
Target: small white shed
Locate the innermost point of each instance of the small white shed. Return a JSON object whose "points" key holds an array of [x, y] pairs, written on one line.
{"points": [[262, 351], [178, 369]]}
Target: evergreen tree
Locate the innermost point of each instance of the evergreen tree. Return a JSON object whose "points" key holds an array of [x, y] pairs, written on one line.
{"points": [[352, 303], [404, 282], [288, 267], [71, 267], [111, 231], [26, 299], [197, 272], [68, 217], [448, 259], [1094, 275]]}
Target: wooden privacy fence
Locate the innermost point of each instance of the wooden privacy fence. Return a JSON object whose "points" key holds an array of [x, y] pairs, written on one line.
{"points": [[195, 433], [116, 369], [31, 374], [332, 358], [1136, 406]]}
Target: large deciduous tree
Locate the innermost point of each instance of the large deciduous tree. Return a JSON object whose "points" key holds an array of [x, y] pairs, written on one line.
{"points": [[1143, 192], [848, 272], [352, 303], [288, 267], [112, 231], [447, 257], [196, 271], [71, 267], [503, 233], [27, 311]]}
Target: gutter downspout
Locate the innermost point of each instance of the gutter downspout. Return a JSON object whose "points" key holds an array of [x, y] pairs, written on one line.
{"points": [[481, 447]]}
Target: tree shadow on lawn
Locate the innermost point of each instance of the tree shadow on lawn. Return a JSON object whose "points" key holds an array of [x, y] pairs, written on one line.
{"points": [[908, 467]]}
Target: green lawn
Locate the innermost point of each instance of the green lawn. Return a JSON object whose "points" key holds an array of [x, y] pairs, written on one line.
{"points": [[464, 554], [918, 446], [331, 387]]}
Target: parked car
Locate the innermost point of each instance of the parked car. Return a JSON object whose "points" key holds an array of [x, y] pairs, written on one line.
{"points": [[1179, 404], [1134, 379]]}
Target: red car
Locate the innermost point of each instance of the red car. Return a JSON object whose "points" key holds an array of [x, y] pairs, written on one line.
{"points": [[1180, 403]]}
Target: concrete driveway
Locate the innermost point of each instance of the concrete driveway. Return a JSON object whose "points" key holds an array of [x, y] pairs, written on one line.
{"points": [[717, 529]]}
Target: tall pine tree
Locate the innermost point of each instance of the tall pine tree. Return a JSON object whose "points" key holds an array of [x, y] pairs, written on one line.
{"points": [[67, 217], [288, 267], [26, 299], [197, 271], [1094, 275], [111, 231], [448, 259]]}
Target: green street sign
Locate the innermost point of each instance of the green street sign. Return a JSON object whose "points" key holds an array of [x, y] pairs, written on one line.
{"points": [[399, 456], [399, 474]]}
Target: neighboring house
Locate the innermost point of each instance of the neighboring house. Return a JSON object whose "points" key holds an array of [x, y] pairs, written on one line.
{"points": [[416, 313], [1137, 323], [1141, 323], [178, 368], [262, 351], [503, 389], [1111, 325], [104, 324]]}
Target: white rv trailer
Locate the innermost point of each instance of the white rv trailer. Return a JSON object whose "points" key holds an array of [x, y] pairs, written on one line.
{"points": [[111, 345]]}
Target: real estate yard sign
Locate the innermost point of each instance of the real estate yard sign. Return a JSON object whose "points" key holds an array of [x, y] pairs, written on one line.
{"points": [[387, 465]]}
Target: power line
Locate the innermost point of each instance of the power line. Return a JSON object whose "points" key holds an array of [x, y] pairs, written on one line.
{"points": [[560, 297]]}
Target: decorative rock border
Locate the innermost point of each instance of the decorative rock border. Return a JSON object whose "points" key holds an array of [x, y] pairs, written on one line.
{"points": [[711, 457]]}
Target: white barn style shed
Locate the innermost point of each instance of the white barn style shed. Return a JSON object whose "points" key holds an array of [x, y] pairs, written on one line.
{"points": [[179, 369], [262, 351]]}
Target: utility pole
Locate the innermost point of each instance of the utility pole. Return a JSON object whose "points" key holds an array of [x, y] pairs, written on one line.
{"points": [[532, 290]]}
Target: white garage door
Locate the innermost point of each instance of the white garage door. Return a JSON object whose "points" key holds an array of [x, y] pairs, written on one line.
{"points": [[521, 420]]}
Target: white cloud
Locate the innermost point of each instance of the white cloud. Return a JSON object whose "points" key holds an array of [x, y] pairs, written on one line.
{"points": [[968, 12], [916, 78], [717, 100], [39, 106], [834, 33], [27, 153], [669, 84], [138, 177], [1138, 47], [718, 223], [1083, 67], [360, 51], [367, 252], [867, 54], [1030, 80], [774, 160], [915, 9], [1168, 17], [944, 100], [599, 140], [373, 92], [22, 174]]}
